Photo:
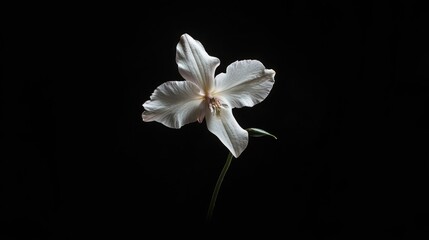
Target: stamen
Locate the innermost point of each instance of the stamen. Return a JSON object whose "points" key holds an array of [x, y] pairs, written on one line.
{"points": [[215, 105]]}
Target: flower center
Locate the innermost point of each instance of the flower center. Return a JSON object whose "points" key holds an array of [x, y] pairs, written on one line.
{"points": [[214, 105]]}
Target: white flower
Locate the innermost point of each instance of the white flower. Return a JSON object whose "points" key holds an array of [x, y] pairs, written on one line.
{"points": [[202, 95]]}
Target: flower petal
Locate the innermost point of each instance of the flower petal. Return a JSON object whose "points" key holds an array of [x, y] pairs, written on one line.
{"points": [[194, 63], [245, 83], [223, 124], [175, 104]]}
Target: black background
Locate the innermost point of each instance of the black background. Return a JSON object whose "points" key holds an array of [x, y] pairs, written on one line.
{"points": [[349, 108]]}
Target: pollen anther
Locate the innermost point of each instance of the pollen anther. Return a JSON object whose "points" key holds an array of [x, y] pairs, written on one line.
{"points": [[214, 105]]}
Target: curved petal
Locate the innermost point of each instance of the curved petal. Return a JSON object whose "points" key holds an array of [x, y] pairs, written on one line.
{"points": [[194, 63], [245, 83], [175, 104], [223, 124]]}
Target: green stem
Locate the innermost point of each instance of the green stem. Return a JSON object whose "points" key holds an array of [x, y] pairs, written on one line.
{"points": [[217, 187]]}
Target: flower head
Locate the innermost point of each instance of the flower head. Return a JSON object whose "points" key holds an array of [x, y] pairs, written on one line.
{"points": [[202, 95]]}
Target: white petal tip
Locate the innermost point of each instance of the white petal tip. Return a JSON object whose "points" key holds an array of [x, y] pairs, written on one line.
{"points": [[270, 72]]}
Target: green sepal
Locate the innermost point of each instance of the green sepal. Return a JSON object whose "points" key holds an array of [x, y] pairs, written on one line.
{"points": [[257, 132]]}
